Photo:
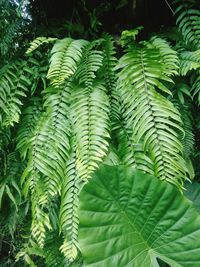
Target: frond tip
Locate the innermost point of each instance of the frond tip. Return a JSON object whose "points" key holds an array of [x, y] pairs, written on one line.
{"points": [[65, 55]]}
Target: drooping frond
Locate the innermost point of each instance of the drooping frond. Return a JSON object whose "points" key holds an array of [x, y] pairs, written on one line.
{"points": [[14, 85], [30, 118], [188, 137], [57, 105], [90, 122], [65, 55], [69, 220], [130, 153], [90, 129], [196, 86], [38, 42], [40, 220], [90, 63], [57, 134], [188, 22], [189, 60], [153, 120], [38, 155], [40, 166], [109, 75], [168, 56]]}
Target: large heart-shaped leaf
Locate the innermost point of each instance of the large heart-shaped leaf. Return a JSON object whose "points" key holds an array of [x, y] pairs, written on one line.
{"points": [[128, 218]]}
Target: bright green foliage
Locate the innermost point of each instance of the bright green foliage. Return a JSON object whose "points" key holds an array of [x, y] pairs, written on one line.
{"points": [[38, 42], [76, 105], [90, 118], [189, 61], [188, 137], [146, 112], [128, 218], [14, 85], [65, 55], [30, 117], [69, 210], [168, 56], [65, 141]]}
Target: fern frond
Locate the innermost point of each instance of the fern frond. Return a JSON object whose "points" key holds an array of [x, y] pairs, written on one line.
{"points": [[188, 22], [57, 134], [40, 220], [39, 41], [196, 86], [168, 56], [65, 55], [69, 220], [132, 154], [108, 74], [30, 118], [40, 156], [90, 128], [58, 105], [189, 60], [188, 138], [14, 85], [90, 122], [153, 119], [90, 63]]}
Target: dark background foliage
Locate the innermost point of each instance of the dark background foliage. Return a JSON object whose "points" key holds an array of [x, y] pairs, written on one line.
{"points": [[114, 16]]}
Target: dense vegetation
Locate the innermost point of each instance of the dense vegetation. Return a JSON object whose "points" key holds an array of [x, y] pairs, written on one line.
{"points": [[99, 141]]}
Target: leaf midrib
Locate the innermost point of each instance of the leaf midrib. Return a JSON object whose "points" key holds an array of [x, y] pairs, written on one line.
{"points": [[125, 215]]}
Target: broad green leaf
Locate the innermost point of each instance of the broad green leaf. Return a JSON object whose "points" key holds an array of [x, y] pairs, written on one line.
{"points": [[128, 218], [192, 192]]}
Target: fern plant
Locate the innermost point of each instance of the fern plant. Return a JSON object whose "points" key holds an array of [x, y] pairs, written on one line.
{"points": [[188, 17], [84, 104], [76, 106]]}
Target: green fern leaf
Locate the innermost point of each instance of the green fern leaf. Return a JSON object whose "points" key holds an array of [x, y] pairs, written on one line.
{"points": [[38, 42], [188, 138], [108, 74], [90, 63], [196, 86], [65, 55], [26, 128], [188, 22], [153, 120], [14, 85], [169, 56], [189, 60], [90, 122], [69, 220], [40, 220]]}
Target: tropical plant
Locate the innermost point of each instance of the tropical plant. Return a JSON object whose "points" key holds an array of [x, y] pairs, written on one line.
{"points": [[67, 106], [133, 219]]}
